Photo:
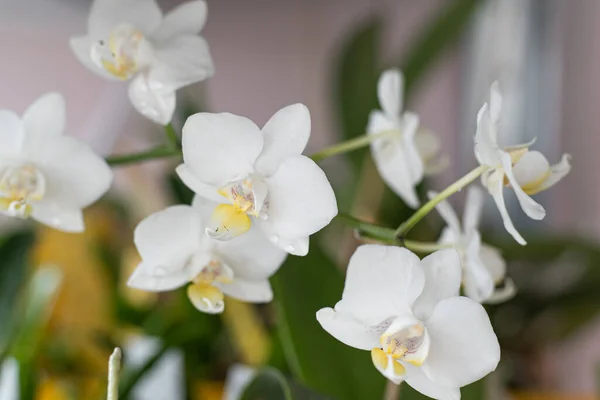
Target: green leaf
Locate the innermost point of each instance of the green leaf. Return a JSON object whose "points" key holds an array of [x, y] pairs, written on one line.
{"points": [[38, 303], [302, 287], [437, 36], [548, 262], [14, 252], [355, 91], [270, 384], [181, 193]]}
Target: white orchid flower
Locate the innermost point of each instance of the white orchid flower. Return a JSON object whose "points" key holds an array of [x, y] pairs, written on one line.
{"points": [[130, 40], [259, 177], [484, 270], [175, 252], [407, 312], [403, 153], [43, 174], [526, 172]]}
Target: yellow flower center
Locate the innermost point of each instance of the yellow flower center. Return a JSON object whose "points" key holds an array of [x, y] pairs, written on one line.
{"points": [[124, 53], [408, 344], [248, 198], [202, 292], [19, 186], [405, 344]]}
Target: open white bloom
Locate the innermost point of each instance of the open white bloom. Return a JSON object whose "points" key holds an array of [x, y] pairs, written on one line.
{"points": [[131, 40], [175, 252], [526, 172], [259, 177], [403, 153], [483, 266], [407, 312], [43, 174]]}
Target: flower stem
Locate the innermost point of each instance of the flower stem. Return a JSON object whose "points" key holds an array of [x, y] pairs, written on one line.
{"points": [[349, 145], [372, 231], [388, 236], [430, 205], [172, 139], [392, 391], [158, 152], [114, 366]]}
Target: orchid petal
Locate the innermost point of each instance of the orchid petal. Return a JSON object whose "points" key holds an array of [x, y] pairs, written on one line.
{"points": [[248, 290], [301, 200], [442, 280], [105, 15], [44, 119], [390, 90], [464, 347], [186, 19], [152, 99], [285, 135], [496, 187], [473, 208], [529, 206], [381, 282], [220, 148]]}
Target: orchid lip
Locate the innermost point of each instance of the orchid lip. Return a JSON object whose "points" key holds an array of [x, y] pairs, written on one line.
{"points": [[203, 292], [409, 343], [124, 53], [248, 197], [19, 187]]}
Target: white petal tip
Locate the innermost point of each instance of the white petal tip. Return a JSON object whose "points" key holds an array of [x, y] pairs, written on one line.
{"points": [[325, 314]]}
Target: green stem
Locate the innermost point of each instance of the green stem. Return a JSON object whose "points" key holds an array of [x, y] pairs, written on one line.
{"points": [[172, 139], [349, 145], [430, 205], [158, 152], [371, 231], [388, 236]]}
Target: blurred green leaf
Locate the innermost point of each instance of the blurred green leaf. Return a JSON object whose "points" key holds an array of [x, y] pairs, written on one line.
{"points": [[270, 384], [475, 391], [442, 32], [181, 193], [355, 91], [39, 301], [14, 266], [302, 287], [557, 277]]}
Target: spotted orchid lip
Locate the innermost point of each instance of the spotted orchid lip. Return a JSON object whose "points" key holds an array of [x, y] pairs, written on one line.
{"points": [[248, 198], [408, 343]]}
